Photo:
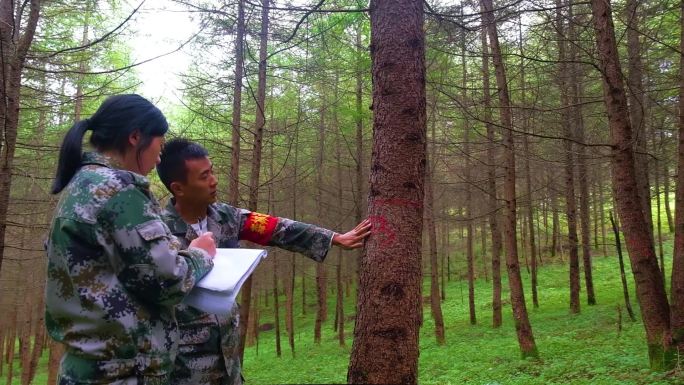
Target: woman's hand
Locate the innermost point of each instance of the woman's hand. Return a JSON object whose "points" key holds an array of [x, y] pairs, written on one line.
{"points": [[206, 243], [353, 239]]}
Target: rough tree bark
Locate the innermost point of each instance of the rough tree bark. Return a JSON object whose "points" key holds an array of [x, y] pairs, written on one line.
{"points": [[385, 348], [570, 199], [649, 283], [523, 328], [234, 181], [492, 201], [15, 41], [256, 164], [677, 281]]}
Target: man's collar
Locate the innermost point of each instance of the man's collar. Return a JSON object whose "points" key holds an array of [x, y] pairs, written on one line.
{"points": [[177, 224]]}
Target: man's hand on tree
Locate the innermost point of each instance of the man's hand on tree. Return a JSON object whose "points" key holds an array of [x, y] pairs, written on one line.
{"points": [[353, 239]]}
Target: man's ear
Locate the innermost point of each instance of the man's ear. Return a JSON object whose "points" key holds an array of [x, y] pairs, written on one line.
{"points": [[177, 189]]}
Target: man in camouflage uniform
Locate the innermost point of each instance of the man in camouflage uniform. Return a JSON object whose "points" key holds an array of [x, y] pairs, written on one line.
{"points": [[115, 274], [208, 352]]}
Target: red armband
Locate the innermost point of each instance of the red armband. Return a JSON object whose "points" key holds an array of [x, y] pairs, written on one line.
{"points": [[258, 228]]}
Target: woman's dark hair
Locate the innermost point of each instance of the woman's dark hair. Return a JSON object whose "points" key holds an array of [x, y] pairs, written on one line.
{"points": [[117, 118]]}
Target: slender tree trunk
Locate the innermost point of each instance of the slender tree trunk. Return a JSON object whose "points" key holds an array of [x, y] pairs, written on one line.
{"points": [[256, 163], [666, 186], [360, 184], [529, 204], [623, 276], [637, 111], [339, 322], [82, 66], [603, 216], [435, 302], [444, 253], [271, 204], [483, 248], [595, 214], [649, 283], [570, 200], [276, 306], [522, 324], [575, 85], [470, 257], [659, 225], [321, 272], [234, 181], [385, 348], [555, 220], [492, 156], [530, 224]]}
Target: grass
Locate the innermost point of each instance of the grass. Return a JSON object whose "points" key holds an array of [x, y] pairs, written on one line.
{"points": [[585, 348]]}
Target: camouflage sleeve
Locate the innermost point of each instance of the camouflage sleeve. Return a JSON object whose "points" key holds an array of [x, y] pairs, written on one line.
{"points": [[145, 254], [310, 240]]}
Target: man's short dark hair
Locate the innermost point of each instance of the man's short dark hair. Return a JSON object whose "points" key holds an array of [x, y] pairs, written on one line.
{"points": [[176, 152]]}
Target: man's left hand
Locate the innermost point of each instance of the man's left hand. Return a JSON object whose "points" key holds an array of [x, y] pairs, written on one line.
{"points": [[353, 239]]}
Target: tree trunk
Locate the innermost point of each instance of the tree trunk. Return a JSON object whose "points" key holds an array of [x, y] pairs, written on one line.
{"points": [[360, 184], [659, 225], [385, 348], [637, 111], [666, 186], [276, 306], [530, 223], [470, 257], [604, 237], [435, 302], [256, 164], [575, 85], [483, 248], [234, 181], [321, 273], [555, 221], [529, 204], [677, 282], [649, 284], [15, 45], [339, 313], [493, 203], [623, 276], [570, 200], [522, 324]]}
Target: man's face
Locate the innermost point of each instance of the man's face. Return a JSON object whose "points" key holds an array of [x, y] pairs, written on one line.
{"points": [[200, 184]]}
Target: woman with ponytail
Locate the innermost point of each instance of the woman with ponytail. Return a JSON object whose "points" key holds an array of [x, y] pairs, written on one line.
{"points": [[115, 272]]}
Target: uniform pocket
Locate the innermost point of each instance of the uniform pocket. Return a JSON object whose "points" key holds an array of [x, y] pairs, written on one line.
{"points": [[152, 230]]}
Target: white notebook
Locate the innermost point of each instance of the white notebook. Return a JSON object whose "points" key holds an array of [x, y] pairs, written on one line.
{"points": [[217, 291]]}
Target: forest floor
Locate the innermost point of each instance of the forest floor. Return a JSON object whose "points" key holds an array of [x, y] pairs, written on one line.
{"points": [[585, 348]]}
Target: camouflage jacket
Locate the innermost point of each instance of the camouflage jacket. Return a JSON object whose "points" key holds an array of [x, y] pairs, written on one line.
{"points": [[115, 274], [209, 343]]}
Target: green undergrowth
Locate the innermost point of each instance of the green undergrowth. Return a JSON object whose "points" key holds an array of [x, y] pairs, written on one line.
{"points": [[585, 348]]}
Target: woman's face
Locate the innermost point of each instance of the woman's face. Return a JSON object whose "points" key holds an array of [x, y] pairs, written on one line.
{"points": [[149, 157], [142, 162]]}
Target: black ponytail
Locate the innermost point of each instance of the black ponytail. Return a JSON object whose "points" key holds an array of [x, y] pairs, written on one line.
{"points": [[69, 156]]}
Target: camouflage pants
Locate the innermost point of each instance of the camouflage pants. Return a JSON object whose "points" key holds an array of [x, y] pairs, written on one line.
{"points": [[207, 353]]}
